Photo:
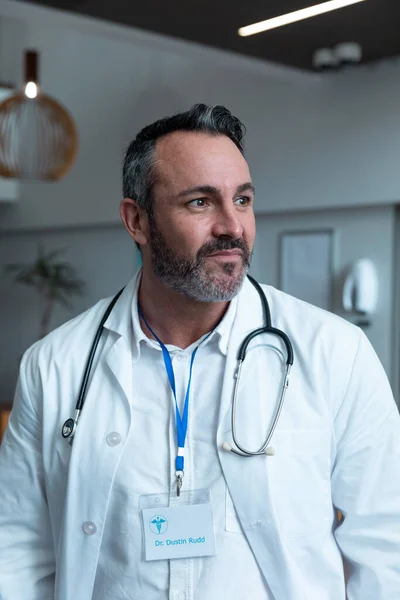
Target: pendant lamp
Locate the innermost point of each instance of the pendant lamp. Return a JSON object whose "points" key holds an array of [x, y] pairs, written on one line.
{"points": [[38, 137]]}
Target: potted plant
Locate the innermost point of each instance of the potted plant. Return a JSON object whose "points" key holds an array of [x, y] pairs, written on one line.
{"points": [[54, 280]]}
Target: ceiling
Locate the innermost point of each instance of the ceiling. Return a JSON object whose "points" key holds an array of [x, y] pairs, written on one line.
{"points": [[375, 24]]}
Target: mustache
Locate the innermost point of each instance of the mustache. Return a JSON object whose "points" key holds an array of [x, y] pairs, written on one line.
{"points": [[222, 244]]}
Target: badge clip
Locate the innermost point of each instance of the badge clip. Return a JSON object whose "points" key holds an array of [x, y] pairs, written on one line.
{"points": [[179, 482]]}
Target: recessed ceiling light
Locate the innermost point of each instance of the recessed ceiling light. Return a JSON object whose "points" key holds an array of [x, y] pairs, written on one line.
{"points": [[297, 15]]}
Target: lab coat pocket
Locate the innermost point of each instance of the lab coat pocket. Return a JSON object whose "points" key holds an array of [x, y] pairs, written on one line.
{"points": [[299, 481]]}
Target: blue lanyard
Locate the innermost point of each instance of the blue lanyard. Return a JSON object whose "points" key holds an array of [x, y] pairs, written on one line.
{"points": [[181, 420]]}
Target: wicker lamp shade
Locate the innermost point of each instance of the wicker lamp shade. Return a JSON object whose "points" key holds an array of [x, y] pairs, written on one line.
{"points": [[38, 137]]}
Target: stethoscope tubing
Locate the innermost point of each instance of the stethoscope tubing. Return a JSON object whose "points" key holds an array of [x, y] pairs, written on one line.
{"points": [[238, 449], [241, 450], [89, 363], [70, 425]]}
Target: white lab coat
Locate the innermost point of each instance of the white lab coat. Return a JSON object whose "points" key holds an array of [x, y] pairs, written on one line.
{"points": [[337, 445]]}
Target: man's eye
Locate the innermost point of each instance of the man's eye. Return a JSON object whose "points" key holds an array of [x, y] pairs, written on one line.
{"points": [[198, 202], [242, 201]]}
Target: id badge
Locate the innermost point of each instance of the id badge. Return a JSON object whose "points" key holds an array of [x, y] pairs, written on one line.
{"points": [[177, 527]]}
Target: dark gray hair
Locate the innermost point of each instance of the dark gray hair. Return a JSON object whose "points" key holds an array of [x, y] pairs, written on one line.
{"points": [[139, 172]]}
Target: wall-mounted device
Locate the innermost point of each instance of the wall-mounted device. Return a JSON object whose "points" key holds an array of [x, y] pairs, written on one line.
{"points": [[361, 290], [342, 55]]}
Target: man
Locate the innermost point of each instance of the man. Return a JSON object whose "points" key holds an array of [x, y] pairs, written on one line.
{"points": [[146, 502]]}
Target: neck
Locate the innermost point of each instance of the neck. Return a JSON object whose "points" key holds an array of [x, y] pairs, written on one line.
{"points": [[175, 318]]}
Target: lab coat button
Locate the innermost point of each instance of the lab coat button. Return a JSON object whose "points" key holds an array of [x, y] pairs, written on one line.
{"points": [[89, 527], [113, 439], [179, 596]]}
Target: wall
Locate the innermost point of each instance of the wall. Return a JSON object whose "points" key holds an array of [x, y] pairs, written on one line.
{"points": [[114, 80], [358, 233], [396, 311], [313, 141], [104, 257], [358, 162]]}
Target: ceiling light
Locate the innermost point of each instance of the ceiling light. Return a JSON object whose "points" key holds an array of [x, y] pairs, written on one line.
{"points": [[297, 15], [31, 89], [38, 137]]}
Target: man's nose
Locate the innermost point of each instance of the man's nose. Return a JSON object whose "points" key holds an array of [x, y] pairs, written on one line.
{"points": [[228, 223]]}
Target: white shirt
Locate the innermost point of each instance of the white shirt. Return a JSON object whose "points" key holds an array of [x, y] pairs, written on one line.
{"points": [[147, 466]]}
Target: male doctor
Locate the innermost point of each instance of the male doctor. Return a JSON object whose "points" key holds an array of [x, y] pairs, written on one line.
{"points": [[142, 498]]}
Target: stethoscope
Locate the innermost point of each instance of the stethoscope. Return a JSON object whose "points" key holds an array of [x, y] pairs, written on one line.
{"points": [[265, 449], [70, 425]]}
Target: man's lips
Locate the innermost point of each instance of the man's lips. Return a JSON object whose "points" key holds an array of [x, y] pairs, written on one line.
{"points": [[227, 253]]}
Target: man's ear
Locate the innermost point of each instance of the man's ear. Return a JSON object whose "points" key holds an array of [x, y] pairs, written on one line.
{"points": [[135, 220]]}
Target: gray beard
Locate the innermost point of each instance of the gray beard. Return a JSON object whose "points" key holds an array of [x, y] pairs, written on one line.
{"points": [[190, 276]]}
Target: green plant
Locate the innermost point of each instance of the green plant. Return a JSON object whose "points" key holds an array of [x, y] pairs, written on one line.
{"points": [[54, 281]]}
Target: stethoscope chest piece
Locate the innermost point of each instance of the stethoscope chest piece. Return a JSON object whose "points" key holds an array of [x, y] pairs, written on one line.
{"points": [[68, 428]]}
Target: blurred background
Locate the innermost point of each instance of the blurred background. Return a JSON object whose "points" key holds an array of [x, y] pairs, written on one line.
{"points": [[320, 99]]}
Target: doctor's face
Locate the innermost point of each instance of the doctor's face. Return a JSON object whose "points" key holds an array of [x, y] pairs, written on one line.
{"points": [[202, 226]]}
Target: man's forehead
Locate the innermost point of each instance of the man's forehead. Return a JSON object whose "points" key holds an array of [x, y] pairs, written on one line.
{"points": [[194, 143], [193, 155]]}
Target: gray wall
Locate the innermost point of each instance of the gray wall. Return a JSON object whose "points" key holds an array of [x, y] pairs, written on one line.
{"points": [[313, 141], [104, 257], [396, 311], [366, 232], [114, 80]]}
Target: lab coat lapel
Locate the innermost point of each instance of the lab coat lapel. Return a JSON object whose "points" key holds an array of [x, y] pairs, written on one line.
{"points": [[92, 464], [247, 478], [119, 361], [119, 355]]}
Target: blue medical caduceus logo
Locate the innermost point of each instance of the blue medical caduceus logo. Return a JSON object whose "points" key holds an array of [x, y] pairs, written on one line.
{"points": [[158, 524]]}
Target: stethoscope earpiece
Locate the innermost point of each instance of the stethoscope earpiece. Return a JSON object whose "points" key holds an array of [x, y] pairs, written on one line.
{"points": [[227, 446], [270, 451]]}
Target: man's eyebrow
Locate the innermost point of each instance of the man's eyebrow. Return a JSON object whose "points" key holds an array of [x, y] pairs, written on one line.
{"points": [[209, 189], [246, 187]]}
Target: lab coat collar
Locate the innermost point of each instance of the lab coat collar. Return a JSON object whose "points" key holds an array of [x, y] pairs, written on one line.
{"points": [[120, 319], [124, 320], [123, 349], [119, 354], [244, 315], [220, 335]]}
